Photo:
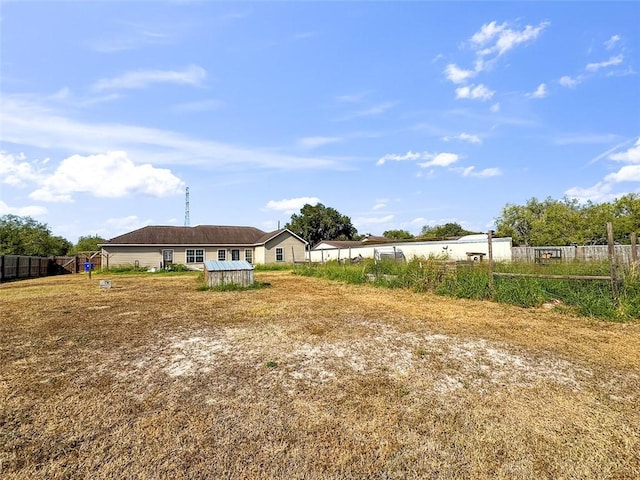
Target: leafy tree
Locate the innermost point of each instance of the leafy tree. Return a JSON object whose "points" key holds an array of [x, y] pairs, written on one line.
{"points": [[566, 221], [88, 243], [317, 222], [397, 234], [26, 236], [444, 231]]}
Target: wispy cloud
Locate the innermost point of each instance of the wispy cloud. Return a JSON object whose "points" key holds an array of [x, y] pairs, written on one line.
{"points": [[569, 82], [316, 142], [136, 37], [489, 43], [484, 173], [605, 190], [291, 205], [612, 42], [372, 111], [192, 75], [440, 160], [463, 137], [27, 121], [540, 92], [613, 61], [28, 211], [474, 92], [498, 39]]}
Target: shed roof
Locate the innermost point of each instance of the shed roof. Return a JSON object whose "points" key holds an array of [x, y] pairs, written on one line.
{"points": [[228, 266]]}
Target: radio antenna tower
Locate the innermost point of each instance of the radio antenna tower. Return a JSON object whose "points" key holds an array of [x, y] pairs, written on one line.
{"points": [[186, 208]]}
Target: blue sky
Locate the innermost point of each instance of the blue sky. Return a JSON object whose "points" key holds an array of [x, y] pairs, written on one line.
{"points": [[397, 114]]}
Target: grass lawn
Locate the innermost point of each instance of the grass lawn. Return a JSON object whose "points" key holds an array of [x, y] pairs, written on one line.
{"points": [[307, 379]]}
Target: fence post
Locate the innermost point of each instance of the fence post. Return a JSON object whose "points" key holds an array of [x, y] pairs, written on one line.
{"points": [[612, 261], [490, 255], [634, 251]]}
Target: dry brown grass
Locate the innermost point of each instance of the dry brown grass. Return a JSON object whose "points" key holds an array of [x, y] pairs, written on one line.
{"points": [[307, 379]]}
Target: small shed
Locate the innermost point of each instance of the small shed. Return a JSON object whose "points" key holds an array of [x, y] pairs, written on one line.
{"points": [[236, 272]]}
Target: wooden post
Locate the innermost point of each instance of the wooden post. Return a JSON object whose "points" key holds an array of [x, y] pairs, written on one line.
{"points": [[634, 251], [490, 250], [612, 261], [293, 255]]}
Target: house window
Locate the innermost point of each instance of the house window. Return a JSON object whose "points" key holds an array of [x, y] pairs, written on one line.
{"points": [[279, 254], [235, 255], [167, 256], [222, 255], [248, 255], [195, 255]]}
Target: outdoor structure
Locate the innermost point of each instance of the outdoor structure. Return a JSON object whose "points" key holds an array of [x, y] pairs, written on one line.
{"points": [[228, 273], [469, 247], [163, 246]]}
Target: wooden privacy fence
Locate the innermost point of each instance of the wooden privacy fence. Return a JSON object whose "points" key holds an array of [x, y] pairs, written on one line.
{"points": [[19, 267]]}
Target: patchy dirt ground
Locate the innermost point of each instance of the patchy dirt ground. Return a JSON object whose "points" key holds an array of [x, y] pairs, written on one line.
{"points": [[307, 379]]}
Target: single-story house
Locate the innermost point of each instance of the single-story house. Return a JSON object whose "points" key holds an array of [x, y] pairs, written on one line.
{"points": [[469, 247], [162, 246]]}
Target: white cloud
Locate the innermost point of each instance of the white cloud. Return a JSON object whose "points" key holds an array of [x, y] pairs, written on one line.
{"points": [[464, 137], [111, 175], [430, 159], [495, 108], [291, 205], [604, 190], [441, 160], [628, 173], [567, 81], [192, 75], [499, 39], [479, 92], [15, 171], [400, 158], [315, 142], [600, 192], [540, 92], [613, 61], [487, 172], [28, 211], [458, 75], [611, 43], [632, 155]]}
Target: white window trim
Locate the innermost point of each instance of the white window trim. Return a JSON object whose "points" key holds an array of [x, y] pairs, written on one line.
{"points": [[224, 255], [195, 255], [248, 258], [282, 250]]}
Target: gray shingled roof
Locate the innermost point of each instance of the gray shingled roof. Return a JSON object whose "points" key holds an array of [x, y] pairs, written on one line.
{"points": [[199, 235]]}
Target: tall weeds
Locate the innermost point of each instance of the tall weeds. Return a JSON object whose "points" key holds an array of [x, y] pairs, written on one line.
{"points": [[463, 280]]}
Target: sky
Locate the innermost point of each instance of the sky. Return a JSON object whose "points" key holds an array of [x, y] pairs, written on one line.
{"points": [[399, 115]]}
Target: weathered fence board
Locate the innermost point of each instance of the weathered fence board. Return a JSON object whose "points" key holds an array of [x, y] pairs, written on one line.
{"points": [[622, 253]]}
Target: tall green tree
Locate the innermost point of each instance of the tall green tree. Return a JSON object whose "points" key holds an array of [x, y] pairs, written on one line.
{"points": [[88, 243], [447, 230], [315, 223], [397, 234], [26, 236]]}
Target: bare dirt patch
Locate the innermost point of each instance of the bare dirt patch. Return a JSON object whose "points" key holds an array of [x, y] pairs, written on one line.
{"points": [[307, 379]]}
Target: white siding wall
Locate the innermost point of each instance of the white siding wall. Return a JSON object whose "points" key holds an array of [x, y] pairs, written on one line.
{"points": [[455, 250]]}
